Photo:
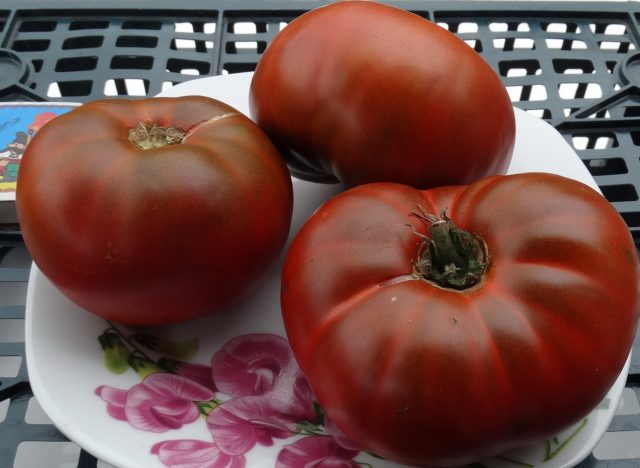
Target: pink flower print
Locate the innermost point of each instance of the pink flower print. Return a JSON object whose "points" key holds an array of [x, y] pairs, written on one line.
{"points": [[160, 403], [292, 394], [195, 454], [238, 425], [250, 364], [263, 364], [316, 451], [197, 372], [116, 400]]}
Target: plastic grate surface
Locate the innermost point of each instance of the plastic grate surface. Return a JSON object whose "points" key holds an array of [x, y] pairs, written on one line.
{"points": [[574, 64], [89, 56]]}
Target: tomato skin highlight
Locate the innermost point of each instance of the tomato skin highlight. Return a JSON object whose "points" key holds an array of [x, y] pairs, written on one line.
{"points": [[428, 376], [360, 92], [160, 235]]}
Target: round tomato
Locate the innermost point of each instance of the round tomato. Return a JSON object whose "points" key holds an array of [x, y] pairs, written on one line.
{"points": [[156, 210], [362, 92], [440, 327]]}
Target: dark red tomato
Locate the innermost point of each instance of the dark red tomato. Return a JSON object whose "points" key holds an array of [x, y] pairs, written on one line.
{"points": [[440, 340], [156, 210], [359, 92]]}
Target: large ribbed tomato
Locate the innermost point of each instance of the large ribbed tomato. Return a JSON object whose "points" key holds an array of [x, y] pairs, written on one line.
{"points": [[359, 91], [439, 327], [155, 210]]}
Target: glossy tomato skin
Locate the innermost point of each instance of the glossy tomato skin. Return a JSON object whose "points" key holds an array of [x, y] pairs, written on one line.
{"points": [[435, 377], [158, 235], [362, 92]]}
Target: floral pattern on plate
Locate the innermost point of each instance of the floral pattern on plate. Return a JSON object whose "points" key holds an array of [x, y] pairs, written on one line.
{"points": [[251, 393]]}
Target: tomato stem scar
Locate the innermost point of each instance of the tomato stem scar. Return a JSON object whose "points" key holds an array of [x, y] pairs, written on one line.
{"points": [[150, 135], [448, 256]]}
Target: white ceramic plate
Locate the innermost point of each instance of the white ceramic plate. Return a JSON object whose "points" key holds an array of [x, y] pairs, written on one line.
{"points": [[130, 423]]}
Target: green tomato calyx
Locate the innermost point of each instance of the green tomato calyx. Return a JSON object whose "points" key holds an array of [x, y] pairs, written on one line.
{"points": [[150, 135], [448, 256]]}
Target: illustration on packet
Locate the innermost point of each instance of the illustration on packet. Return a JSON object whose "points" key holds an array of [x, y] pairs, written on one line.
{"points": [[19, 122]]}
